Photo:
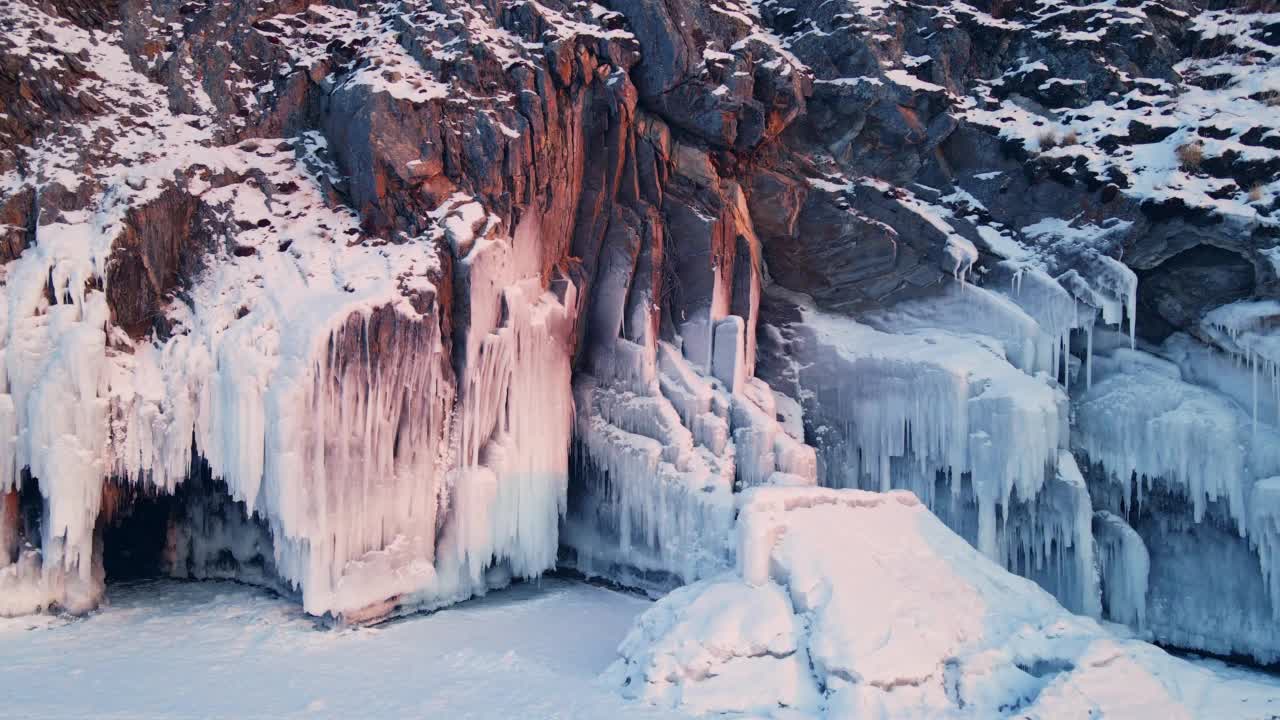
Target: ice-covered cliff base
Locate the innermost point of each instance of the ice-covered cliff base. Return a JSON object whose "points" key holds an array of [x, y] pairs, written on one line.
{"points": [[1116, 472], [905, 620]]}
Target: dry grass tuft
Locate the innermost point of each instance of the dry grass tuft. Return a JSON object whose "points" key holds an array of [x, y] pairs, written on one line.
{"points": [[1190, 155]]}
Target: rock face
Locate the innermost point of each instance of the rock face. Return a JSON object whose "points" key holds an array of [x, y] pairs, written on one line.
{"points": [[399, 301]]}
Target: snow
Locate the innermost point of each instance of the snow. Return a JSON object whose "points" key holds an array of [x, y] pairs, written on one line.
{"points": [[1232, 101], [735, 646], [390, 68], [907, 620], [907, 80], [167, 649]]}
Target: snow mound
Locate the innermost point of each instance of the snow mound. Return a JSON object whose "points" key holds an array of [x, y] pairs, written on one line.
{"points": [[906, 621]]}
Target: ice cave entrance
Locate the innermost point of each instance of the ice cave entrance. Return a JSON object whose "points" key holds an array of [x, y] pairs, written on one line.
{"points": [[134, 538]]}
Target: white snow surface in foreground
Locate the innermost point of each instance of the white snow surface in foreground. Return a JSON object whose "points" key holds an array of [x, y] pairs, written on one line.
{"points": [[169, 649], [855, 604]]}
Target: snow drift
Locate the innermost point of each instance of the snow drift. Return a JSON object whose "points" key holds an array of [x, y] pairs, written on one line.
{"points": [[905, 620]]}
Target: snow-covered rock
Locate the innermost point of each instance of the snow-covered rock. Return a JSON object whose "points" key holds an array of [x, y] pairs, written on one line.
{"points": [[905, 620]]}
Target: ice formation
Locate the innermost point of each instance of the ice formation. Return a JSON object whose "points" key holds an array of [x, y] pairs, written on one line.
{"points": [[796, 631], [1142, 421], [1186, 465], [311, 384], [940, 407], [666, 433], [1125, 565], [1247, 330], [911, 396], [387, 416], [1264, 528]]}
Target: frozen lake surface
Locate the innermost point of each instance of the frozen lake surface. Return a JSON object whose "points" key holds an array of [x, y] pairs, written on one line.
{"points": [[167, 649], [170, 649]]}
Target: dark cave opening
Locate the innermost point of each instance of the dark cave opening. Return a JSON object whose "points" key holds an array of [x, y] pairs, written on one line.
{"points": [[21, 517], [30, 510], [135, 538], [1175, 294], [197, 532]]}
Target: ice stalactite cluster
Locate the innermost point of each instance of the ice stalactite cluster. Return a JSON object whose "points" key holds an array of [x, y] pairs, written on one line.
{"points": [[1079, 257], [1069, 284], [1058, 313], [659, 456], [1264, 533], [509, 480], [903, 409], [654, 500], [1141, 421], [961, 396], [671, 421], [1247, 331], [960, 393], [352, 475], [1050, 539], [53, 416], [368, 345], [314, 382], [1184, 468]]}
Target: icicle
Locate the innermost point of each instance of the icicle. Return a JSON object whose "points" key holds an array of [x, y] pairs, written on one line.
{"points": [[660, 503], [1264, 535], [939, 402], [1141, 422], [1125, 567], [1253, 373], [963, 255], [1088, 358]]}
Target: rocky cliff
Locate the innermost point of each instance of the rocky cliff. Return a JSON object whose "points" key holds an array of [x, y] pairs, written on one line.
{"points": [[385, 304]]}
